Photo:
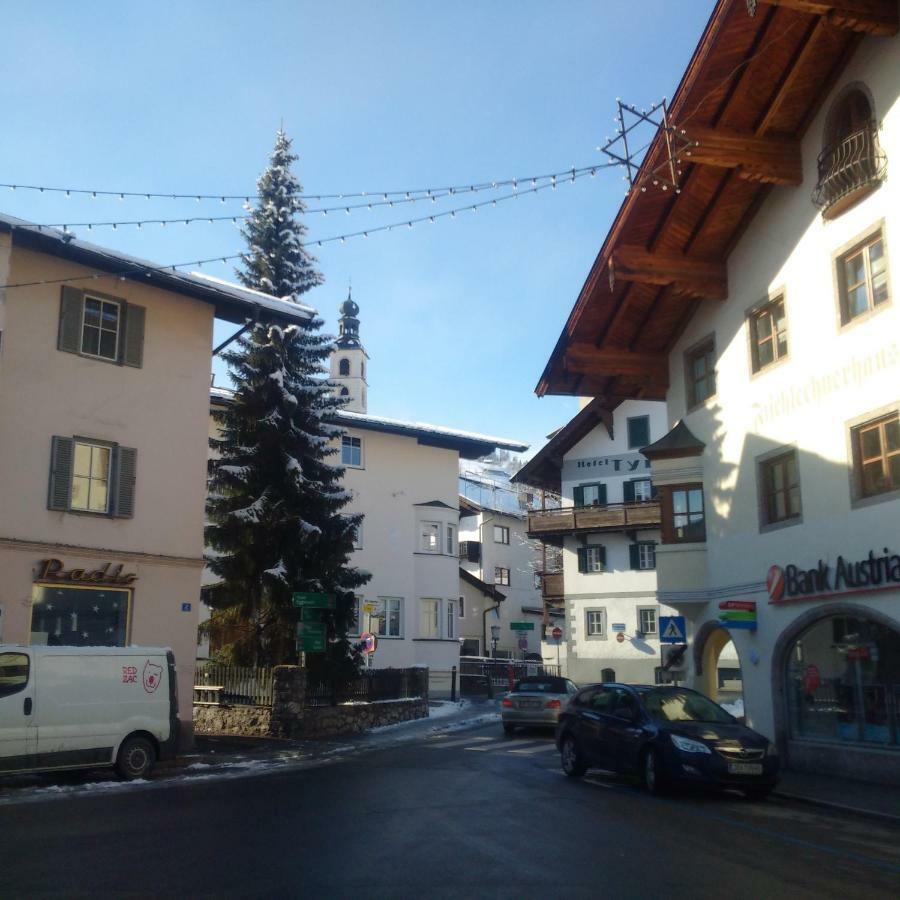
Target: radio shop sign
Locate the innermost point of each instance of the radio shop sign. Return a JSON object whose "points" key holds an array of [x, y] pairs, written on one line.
{"points": [[874, 573]]}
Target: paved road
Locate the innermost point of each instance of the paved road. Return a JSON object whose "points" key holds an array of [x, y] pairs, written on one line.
{"points": [[469, 814]]}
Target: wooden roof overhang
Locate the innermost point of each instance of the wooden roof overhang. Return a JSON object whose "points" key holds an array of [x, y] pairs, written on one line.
{"points": [[749, 93]]}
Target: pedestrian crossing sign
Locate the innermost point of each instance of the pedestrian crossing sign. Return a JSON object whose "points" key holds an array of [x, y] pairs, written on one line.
{"points": [[672, 630]]}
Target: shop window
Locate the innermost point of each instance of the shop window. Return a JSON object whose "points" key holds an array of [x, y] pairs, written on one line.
{"points": [[683, 514], [92, 477], [876, 456], [768, 335], [843, 682], [638, 432], [351, 451], [863, 278], [105, 328], [80, 617], [779, 487], [700, 372]]}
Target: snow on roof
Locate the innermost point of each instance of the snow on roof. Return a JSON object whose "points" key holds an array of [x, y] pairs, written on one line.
{"points": [[232, 302], [487, 487]]}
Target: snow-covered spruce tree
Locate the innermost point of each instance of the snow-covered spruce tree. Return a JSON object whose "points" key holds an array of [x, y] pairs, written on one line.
{"points": [[277, 262], [275, 501]]}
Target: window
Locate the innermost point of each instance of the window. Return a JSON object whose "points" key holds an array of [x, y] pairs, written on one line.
{"points": [[351, 451], [595, 623], [358, 537], [876, 450], [104, 328], [592, 558], [13, 673], [647, 621], [590, 495], [638, 431], [470, 647], [430, 625], [501, 575], [387, 620], [344, 367], [862, 277], [79, 617], [92, 477], [451, 620], [768, 335], [779, 488], [700, 365], [683, 514], [462, 607], [430, 537], [643, 555], [501, 534], [345, 392], [638, 490], [450, 539]]}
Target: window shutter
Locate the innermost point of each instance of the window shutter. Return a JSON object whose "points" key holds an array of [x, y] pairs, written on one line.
{"points": [[132, 342], [601, 493], [62, 455], [582, 559], [629, 492], [70, 313], [601, 552], [635, 555], [578, 496], [126, 472]]}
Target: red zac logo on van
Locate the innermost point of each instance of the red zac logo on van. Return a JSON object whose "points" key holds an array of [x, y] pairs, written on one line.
{"points": [[129, 674], [151, 676]]}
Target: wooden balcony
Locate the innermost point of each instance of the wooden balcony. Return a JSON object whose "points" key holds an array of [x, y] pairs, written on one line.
{"points": [[579, 519], [552, 585]]}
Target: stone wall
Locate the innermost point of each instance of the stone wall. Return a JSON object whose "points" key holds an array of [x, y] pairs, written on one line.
{"points": [[290, 717], [252, 721]]}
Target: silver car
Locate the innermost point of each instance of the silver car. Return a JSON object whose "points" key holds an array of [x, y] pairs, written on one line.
{"points": [[536, 700]]}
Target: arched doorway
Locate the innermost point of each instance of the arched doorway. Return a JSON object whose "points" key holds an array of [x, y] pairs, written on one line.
{"points": [[718, 667]]}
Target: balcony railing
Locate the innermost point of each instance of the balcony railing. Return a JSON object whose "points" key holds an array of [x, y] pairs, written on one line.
{"points": [[609, 517], [849, 169], [552, 585]]}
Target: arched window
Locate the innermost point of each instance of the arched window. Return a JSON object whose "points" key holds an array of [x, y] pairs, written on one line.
{"points": [[851, 163], [345, 392], [344, 366], [362, 369]]}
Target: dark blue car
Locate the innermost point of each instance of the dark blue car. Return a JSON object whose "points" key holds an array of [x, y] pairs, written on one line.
{"points": [[665, 735]]}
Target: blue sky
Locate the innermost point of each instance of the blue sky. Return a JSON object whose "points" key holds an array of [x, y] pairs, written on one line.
{"points": [[459, 316]]}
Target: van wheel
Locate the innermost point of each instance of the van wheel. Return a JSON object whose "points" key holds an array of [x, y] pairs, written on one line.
{"points": [[135, 759]]}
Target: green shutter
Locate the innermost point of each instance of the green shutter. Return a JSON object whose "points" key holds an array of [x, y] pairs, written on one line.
{"points": [[125, 475], [601, 493], [629, 491], [578, 496], [582, 559], [71, 304], [635, 556], [62, 456], [602, 555], [132, 337]]}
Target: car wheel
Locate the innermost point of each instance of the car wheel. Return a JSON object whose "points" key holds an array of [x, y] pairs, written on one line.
{"points": [[652, 774], [508, 729], [136, 758], [757, 793], [573, 763]]}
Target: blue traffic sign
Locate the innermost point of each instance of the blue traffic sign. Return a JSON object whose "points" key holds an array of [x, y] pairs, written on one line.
{"points": [[672, 630]]}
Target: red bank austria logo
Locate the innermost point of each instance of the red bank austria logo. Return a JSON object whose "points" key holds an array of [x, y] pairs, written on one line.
{"points": [[775, 584], [151, 676]]}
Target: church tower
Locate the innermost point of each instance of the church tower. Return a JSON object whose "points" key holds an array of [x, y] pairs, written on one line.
{"points": [[348, 361]]}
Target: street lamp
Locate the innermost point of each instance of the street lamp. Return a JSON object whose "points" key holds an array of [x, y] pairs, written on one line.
{"points": [[495, 638]]}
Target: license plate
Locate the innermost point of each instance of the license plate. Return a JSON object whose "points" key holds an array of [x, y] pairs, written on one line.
{"points": [[745, 769], [529, 704]]}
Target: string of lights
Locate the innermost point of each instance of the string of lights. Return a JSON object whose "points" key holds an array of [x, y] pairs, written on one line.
{"points": [[405, 194], [434, 197], [148, 271]]}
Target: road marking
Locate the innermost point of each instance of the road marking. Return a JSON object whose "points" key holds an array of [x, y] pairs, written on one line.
{"points": [[438, 744], [542, 748], [506, 746]]}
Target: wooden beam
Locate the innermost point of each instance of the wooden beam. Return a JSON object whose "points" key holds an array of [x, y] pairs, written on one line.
{"points": [[600, 361], [768, 160], [879, 17], [697, 278]]}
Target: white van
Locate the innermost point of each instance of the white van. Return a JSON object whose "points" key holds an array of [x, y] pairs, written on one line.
{"points": [[85, 707]]}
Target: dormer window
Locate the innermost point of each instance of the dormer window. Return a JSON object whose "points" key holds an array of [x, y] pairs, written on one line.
{"points": [[852, 164]]}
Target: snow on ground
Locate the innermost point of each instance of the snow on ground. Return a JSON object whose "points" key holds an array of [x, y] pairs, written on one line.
{"points": [[735, 707]]}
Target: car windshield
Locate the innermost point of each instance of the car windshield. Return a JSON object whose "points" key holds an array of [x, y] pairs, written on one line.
{"points": [[673, 705], [542, 685]]}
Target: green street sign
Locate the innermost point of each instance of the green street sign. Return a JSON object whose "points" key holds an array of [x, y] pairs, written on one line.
{"points": [[309, 614], [311, 636], [313, 600], [522, 626]]}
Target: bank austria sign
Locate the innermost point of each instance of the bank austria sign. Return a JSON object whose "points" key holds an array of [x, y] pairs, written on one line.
{"points": [[874, 573]]}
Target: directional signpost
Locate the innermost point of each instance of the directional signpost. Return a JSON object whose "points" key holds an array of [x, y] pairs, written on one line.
{"points": [[313, 600], [311, 636], [312, 631], [522, 626]]}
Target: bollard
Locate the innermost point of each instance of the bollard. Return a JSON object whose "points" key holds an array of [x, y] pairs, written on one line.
{"points": [[453, 685]]}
